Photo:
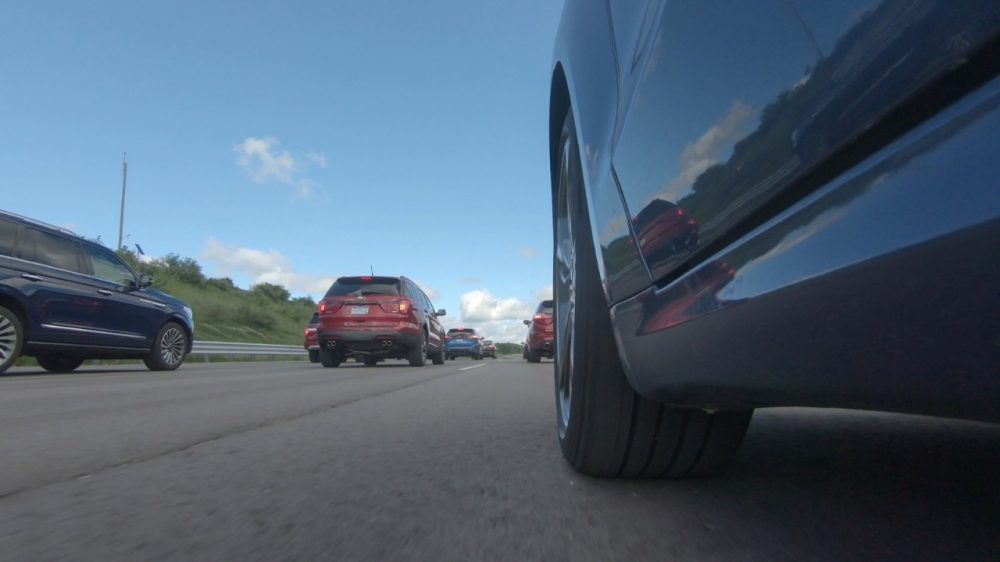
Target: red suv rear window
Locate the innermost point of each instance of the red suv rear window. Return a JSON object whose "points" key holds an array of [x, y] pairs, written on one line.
{"points": [[347, 286]]}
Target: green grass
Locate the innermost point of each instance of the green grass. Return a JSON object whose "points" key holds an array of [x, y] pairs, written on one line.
{"points": [[224, 313]]}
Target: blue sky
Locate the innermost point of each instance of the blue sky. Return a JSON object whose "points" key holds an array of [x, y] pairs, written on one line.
{"points": [[295, 142]]}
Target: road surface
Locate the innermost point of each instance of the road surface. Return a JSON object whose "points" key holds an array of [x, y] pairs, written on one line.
{"points": [[290, 461]]}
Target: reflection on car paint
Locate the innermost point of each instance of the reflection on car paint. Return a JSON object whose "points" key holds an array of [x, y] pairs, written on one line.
{"points": [[722, 144]]}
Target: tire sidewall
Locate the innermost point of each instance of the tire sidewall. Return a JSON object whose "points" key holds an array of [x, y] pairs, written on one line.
{"points": [[18, 338]]}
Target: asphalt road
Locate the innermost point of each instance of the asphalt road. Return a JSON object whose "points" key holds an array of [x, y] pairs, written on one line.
{"points": [[290, 461]]}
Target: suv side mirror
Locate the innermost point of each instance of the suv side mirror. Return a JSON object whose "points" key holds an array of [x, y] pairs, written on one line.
{"points": [[145, 281], [441, 312], [527, 322]]}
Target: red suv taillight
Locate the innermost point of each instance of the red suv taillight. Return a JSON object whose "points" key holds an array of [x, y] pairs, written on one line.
{"points": [[329, 307], [402, 307]]}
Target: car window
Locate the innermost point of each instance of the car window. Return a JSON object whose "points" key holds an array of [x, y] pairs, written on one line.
{"points": [[108, 267], [545, 307], [355, 286], [53, 250], [8, 231]]}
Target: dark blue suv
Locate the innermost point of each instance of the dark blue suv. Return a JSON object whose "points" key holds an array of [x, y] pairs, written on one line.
{"points": [[64, 299]]}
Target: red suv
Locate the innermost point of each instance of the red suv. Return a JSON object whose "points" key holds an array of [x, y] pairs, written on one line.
{"points": [[539, 343], [374, 318], [311, 345]]}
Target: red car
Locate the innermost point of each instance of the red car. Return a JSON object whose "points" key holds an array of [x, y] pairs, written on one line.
{"points": [[311, 344], [540, 335], [489, 349], [375, 318]]}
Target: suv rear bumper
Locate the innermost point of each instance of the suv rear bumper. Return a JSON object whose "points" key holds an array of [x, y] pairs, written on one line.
{"points": [[462, 351], [368, 342]]}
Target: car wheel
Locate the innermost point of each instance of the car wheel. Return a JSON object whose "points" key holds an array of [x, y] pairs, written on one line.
{"points": [[477, 357], [314, 356], [370, 361], [533, 356], [418, 355], [11, 338], [58, 363], [438, 358], [169, 348], [328, 358], [605, 428]]}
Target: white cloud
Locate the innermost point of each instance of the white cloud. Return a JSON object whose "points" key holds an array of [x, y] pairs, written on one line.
{"points": [[499, 319], [708, 150], [433, 293], [265, 162], [545, 293], [263, 267], [318, 157], [527, 252]]}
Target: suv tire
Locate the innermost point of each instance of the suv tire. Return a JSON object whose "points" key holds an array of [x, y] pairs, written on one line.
{"points": [[329, 358], [605, 428], [11, 338], [418, 355], [438, 358], [169, 348], [58, 363]]}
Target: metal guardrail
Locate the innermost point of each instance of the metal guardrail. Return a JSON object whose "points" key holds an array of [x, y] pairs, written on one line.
{"points": [[233, 348]]}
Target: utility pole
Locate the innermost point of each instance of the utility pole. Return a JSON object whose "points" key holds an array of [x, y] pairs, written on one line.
{"points": [[121, 214]]}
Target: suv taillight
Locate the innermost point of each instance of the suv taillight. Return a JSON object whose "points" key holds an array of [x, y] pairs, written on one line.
{"points": [[329, 307], [402, 307]]}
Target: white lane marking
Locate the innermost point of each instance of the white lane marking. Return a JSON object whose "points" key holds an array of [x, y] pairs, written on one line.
{"points": [[472, 367]]}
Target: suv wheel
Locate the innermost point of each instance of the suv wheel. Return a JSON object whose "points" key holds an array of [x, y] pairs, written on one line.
{"points": [[11, 338], [329, 358], [58, 363], [418, 355], [605, 428], [533, 356], [438, 358], [169, 348]]}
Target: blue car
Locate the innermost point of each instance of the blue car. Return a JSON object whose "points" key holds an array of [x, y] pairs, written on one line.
{"points": [[65, 299], [772, 203], [463, 342]]}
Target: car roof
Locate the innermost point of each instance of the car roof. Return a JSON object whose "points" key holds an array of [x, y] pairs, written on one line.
{"points": [[42, 224]]}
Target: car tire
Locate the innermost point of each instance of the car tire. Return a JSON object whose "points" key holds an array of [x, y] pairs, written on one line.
{"points": [[533, 356], [370, 361], [438, 358], [328, 358], [11, 338], [418, 355], [58, 363], [314, 356], [169, 348], [477, 357], [605, 428]]}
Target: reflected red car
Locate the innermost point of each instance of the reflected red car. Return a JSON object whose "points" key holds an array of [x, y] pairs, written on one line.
{"points": [[540, 333], [311, 343]]}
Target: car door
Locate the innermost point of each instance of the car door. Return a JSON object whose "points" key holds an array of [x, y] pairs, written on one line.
{"points": [[65, 307], [436, 328], [132, 314], [730, 111]]}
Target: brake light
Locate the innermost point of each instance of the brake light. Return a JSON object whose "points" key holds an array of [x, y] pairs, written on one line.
{"points": [[366, 278], [329, 307], [539, 316], [405, 306]]}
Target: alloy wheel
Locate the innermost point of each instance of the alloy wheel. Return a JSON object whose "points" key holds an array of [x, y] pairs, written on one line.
{"points": [[8, 338], [172, 346], [565, 289]]}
